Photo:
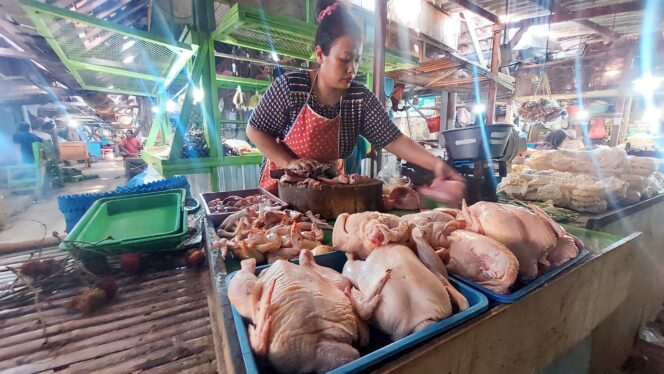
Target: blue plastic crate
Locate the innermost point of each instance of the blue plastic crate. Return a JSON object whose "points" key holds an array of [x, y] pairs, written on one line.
{"points": [[336, 260], [520, 290], [73, 207]]}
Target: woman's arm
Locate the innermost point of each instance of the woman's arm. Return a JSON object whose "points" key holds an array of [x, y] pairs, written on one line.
{"points": [[275, 152], [409, 150], [269, 147]]}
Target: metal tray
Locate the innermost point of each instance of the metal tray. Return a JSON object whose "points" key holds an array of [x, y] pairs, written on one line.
{"points": [[218, 218], [380, 347], [520, 289]]}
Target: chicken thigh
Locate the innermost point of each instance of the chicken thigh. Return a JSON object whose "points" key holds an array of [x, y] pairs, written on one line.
{"points": [[301, 321], [482, 260], [433, 224]]}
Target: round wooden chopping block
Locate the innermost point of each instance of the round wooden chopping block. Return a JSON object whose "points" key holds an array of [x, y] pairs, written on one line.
{"points": [[331, 200]]}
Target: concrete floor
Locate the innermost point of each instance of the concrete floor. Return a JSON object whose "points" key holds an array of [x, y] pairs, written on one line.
{"points": [[37, 219]]}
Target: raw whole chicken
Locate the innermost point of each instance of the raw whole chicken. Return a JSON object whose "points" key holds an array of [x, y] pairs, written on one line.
{"points": [[302, 321], [361, 233], [537, 241], [413, 297], [482, 260]]}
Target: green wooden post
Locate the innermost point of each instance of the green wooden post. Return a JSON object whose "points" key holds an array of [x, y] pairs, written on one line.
{"points": [[187, 105], [205, 25], [308, 16]]}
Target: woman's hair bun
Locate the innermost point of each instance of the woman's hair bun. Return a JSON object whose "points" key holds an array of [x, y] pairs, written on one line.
{"points": [[323, 4], [334, 21]]}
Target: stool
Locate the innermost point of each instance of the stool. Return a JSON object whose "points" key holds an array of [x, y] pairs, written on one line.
{"points": [[107, 154], [134, 166]]}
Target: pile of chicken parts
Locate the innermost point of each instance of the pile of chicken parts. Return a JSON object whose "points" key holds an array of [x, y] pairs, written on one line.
{"points": [[266, 233], [237, 203], [312, 179]]}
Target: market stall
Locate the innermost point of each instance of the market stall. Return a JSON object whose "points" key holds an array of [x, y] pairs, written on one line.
{"points": [[334, 271]]}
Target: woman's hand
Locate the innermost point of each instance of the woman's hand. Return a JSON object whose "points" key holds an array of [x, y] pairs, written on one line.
{"points": [[445, 172], [304, 164], [448, 186]]}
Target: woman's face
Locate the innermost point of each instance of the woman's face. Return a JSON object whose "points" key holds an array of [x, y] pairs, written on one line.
{"points": [[339, 67]]}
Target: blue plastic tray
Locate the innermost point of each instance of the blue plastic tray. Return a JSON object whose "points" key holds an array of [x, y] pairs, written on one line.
{"points": [[377, 352], [520, 289]]}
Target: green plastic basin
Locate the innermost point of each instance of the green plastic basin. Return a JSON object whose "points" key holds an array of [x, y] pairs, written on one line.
{"points": [[128, 219]]}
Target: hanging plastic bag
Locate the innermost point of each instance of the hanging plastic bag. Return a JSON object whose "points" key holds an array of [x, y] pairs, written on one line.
{"points": [[390, 174], [598, 130], [253, 100]]}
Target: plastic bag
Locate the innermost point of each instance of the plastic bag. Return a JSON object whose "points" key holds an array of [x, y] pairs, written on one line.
{"points": [[652, 333], [598, 131], [391, 176]]}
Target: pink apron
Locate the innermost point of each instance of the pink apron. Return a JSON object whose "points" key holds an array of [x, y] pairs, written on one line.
{"points": [[312, 136]]}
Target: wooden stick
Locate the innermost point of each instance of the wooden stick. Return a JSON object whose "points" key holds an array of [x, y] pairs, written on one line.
{"points": [[440, 78], [28, 245]]}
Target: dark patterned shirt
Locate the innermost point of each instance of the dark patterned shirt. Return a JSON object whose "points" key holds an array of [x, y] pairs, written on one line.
{"points": [[361, 112]]}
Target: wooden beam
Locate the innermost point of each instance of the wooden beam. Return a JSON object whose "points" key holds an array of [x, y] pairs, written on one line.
{"points": [[557, 8], [599, 29], [477, 10], [129, 12], [63, 3], [90, 6], [438, 7], [15, 53], [634, 6], [113, 9], [517, 37], [585, 95], [120, 20], [443, 76], [473, 36], [48, 59], [493, 87], [623, 103]]}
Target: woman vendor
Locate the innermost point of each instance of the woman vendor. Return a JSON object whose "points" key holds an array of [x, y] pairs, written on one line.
{"points": [[310, 117]]}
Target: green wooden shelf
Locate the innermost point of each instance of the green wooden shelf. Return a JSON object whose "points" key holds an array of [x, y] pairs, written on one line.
{"points": [[247, 84], [249, 27], [103, 56]]}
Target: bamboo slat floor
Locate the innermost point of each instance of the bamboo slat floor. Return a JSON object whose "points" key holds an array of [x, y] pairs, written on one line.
{"points": [[159, 322]]}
